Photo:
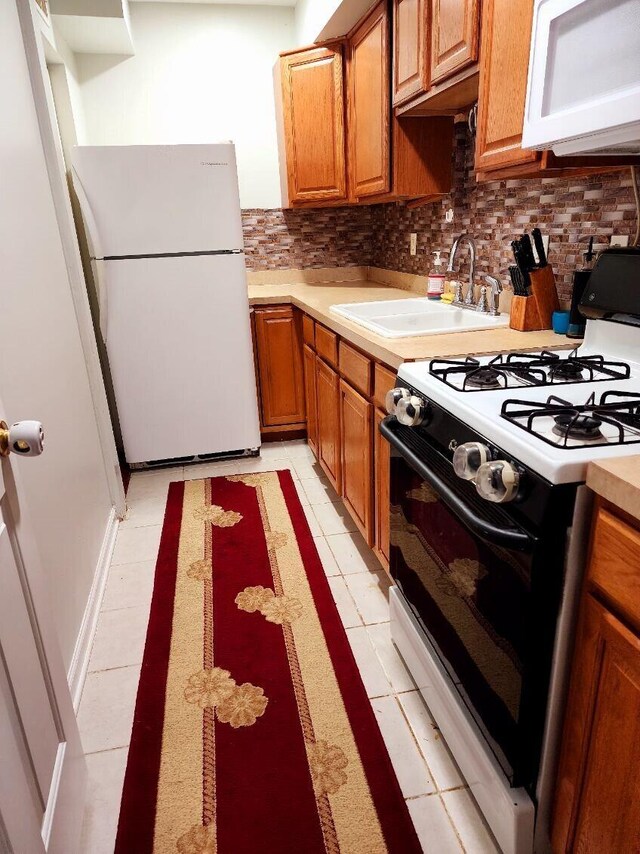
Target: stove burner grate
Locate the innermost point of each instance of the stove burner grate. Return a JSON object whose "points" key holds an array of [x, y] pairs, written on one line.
{"points": [[517, 369], [583, 425]]}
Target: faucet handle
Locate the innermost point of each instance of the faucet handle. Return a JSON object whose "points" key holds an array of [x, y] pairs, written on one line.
{"points": [[483, 303], [496, 288]]}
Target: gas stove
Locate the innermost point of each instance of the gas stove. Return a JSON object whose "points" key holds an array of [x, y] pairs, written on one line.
{"points": [[489, 531], [553, 412]]}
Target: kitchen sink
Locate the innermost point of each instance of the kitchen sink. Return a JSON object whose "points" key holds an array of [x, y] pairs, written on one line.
{"points": [[403, 318]]}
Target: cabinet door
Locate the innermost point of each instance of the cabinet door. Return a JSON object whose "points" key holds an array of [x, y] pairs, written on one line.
{"points": [[597, 804], [504, 62], [410, 49], [382, 461], [356, 416], [310, 397], [328, 418], [279, 354], [370, 105], [313, 122], [454, 36]]}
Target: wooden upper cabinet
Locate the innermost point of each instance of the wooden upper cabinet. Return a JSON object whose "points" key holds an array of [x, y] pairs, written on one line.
{"points": [[278, 346], [370, 105], [410, 49], [454, 36], [504, 63], [313, 126]]}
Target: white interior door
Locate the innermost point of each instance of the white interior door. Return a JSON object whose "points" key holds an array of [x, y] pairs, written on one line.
{"points": [[42, 770]]}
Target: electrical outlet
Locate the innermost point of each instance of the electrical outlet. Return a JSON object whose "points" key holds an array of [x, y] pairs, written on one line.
{"points": [[413, 243], [448, 217], [619, 240]]}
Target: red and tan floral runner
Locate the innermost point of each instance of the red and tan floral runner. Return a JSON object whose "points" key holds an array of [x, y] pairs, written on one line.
{"points": [[252, 731]]}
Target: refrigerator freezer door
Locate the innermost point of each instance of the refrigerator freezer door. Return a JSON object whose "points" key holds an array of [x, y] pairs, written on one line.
{"points": [[159, 199], [181, 358]]}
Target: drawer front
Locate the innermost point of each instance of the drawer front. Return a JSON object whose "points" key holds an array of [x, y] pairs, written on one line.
{"points": [[615, 564], [355, 368], [327, 345], [383, 381], [308, 331]]}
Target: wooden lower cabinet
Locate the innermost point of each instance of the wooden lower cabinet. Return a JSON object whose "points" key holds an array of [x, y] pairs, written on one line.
{"points": [[356, 419], [278, 349], [328, 419], [382, 509], [343, 401], [597, 799], [310, 397]]}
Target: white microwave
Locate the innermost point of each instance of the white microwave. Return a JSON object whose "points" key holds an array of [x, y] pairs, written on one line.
{"points": [[583, 91]]}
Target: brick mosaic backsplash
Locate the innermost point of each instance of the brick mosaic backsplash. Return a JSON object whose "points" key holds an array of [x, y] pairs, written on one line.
{"points": [[323, 237], [568, 209]]}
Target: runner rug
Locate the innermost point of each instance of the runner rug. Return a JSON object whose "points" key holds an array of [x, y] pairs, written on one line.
{"points": [[252, 730]]}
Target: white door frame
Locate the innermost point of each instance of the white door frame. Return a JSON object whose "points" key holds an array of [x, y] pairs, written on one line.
{"points": [[52, 147]]}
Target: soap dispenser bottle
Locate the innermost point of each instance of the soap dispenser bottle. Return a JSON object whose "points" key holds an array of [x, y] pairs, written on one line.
{"points": [[435, 282]]}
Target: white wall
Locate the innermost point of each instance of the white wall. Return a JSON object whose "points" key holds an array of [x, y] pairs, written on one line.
{"points": [[200, 74]]}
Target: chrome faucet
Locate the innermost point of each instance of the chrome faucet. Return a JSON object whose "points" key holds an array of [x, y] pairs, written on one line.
{"points": [[469, 299]]}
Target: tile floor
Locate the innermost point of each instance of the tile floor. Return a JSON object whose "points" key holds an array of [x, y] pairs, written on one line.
{"points": [[444, 813]]}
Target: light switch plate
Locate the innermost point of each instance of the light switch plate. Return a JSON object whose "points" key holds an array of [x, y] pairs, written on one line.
{"points": [[619, 240], [413, 243]]}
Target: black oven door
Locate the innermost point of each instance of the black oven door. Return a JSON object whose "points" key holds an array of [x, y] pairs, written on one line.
{"points": [[468, 572]]}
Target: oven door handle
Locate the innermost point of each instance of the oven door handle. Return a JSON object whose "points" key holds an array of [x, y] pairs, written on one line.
{"points": [[507, 537]]}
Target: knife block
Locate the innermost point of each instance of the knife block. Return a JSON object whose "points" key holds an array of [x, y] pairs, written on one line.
{"points": [[524, 314], [543, 290]]}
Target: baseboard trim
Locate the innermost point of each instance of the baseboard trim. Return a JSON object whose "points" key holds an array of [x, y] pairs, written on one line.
{"points": [[80, 660]]}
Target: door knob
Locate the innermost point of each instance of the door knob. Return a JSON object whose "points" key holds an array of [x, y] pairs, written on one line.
{"points": [[25, 438]]}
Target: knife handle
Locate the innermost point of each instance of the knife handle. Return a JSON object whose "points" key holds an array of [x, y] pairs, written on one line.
{"points": [[527, 251], [538, 242], [519, 257]]}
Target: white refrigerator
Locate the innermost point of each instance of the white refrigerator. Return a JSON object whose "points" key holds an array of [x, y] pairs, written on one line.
{"points": [[165, 234]]}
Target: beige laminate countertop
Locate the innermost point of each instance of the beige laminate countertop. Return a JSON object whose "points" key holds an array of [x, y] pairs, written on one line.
{"points": [[617, 480], [315, 299]]}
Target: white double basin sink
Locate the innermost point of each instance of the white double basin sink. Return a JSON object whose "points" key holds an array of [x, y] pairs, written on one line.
{"points": [[403, 318]]}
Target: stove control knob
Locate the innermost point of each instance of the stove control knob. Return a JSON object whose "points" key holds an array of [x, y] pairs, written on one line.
{"points": [[468, 458], [498, 481], [393, 398], [411, 411]]}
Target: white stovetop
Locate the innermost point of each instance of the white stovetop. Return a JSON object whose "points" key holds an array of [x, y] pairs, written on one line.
{"points": [[481, 409]]}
